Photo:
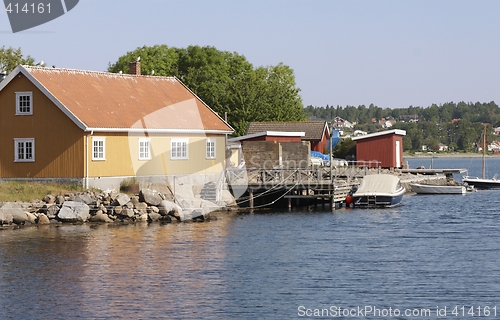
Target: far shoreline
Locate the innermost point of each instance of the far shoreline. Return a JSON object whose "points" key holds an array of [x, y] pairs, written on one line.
{"points": [[448, 155]]}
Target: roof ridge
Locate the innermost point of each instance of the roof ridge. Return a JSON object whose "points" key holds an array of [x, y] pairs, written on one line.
{"points": [[95, 72]]}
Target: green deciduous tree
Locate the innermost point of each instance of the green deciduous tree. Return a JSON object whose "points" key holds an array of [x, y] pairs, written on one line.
{"points": [[226, 81], [10, 58]]}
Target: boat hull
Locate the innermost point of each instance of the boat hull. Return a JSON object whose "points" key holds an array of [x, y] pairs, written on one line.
{"points": [[482, 183], [378, 200], [431, 189]]}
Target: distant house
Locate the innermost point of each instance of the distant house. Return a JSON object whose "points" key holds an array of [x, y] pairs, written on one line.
{"points": [[494, 147], [359, 133], [497, 131], [339, 123], [316, 133], [408, 118], [441, 147], [98, 128], [384, 149]]}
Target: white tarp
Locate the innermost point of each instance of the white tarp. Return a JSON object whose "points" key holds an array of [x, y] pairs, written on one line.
{"points": [[378, 184]]}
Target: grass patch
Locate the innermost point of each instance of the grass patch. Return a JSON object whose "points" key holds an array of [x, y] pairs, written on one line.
{"points": [[24, 191]]}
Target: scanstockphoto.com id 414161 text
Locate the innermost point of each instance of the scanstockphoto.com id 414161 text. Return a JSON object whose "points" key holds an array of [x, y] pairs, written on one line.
{"points": [[458, 311]]}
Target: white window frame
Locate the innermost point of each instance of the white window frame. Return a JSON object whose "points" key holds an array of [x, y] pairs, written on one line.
{"points": [[97, 154], [22, 155], [19, 112], [179, 149], [211, 148], [144, 149]]}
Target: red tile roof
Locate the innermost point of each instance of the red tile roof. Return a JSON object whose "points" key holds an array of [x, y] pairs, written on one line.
{"points": [[102, 100]]}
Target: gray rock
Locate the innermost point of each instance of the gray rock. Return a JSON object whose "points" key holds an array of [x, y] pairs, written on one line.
{"points": [[85, 198], [154, 217], [134, 200], [73, 211], [141, 206], [153, 209], [31, 217], [100, 217], [50, 199], [151, 197], [167, 207], [52, 211], [12, 212], [43, 219], [128, 212], [122, 199], [142, 217], [5, 217], [187, 215], [118, 209]]}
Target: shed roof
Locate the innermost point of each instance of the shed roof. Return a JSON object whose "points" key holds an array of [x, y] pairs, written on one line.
{"points": [[103, 101], [268, 133], [380, 133], [313, 130]]}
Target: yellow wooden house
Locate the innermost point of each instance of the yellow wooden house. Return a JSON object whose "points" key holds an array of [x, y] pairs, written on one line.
{"points": [[99, 128]]}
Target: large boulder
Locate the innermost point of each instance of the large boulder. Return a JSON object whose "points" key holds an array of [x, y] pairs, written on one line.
{"points": [[100, 217], [5, 217], [52, 211], [151, 197], [168, 208], [12, 212], [85, 198], [122, 199], [73, 211], [43, 219], [186, 215]]}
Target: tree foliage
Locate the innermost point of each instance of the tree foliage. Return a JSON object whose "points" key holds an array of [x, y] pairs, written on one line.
{"points": [[10, 58], [225, 81], [346, 149]]}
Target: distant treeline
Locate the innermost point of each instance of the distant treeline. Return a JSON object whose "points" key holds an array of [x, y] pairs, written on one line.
{"points": [[456, 125]]}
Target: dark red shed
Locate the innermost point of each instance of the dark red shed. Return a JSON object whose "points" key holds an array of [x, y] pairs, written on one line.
{"points": [[384, 149]]}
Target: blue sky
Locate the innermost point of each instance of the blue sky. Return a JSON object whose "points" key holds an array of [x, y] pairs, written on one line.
{"points": [[390, 53]]}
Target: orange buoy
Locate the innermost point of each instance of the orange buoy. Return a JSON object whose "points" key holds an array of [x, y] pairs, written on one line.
{"points": [[348, 200]]}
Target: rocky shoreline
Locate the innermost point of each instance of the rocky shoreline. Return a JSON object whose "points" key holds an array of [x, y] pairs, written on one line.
{"points": [[148, 206]]}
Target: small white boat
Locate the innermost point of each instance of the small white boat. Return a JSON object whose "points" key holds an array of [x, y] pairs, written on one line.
{"points": [[379, 190], [433, 189]]}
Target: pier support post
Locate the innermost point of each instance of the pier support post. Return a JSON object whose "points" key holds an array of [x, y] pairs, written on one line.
{"points": [[332, 196], [250, 194]]}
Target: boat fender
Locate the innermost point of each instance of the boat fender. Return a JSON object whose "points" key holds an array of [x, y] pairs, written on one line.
{"points": [[348, 200]]}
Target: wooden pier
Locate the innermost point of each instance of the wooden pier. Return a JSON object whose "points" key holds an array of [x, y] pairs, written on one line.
{"points": [[304, 186]]}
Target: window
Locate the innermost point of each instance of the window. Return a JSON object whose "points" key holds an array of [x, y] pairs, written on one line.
{"points": [[98, 148], [24, 150], [210, 148], [144, 147], [179, 149], [24, 103]]}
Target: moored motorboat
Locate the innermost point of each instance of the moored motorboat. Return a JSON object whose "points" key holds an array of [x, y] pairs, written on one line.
{"points": [[379, 190], [434, 189], [482, 183]]}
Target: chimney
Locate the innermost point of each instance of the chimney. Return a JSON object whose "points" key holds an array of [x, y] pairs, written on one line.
{"points": [[135, 68]]}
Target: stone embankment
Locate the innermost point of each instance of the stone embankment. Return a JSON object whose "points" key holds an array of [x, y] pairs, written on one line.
{"points": [[147, 206]]}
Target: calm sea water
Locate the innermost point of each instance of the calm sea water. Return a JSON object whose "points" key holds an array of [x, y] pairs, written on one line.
{"points": [[430, 253]]}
